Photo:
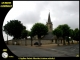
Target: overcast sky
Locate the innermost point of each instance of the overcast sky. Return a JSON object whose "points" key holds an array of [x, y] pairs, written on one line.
{"points": [[31, 12]]}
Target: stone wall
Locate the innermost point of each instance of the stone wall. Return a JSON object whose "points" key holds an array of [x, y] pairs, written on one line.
{"points": [[28, 42]]}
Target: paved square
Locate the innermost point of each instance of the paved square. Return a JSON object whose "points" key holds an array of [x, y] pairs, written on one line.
{"points": [[61, 51]]}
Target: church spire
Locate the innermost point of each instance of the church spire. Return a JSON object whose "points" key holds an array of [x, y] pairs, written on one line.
{"points": [[49, 24], [49, 19]]}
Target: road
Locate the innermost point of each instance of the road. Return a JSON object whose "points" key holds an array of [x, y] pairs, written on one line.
{"points": [[62, 51]]}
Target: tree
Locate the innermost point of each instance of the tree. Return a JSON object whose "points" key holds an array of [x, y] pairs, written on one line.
{"points": [[71, 34], [58, 32], [65, 28], [39, 29], [76, 34], [24, 35], [14, 28], [30, 34]]}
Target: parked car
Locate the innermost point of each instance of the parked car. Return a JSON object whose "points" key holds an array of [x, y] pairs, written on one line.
{"points": [[37, 43]]}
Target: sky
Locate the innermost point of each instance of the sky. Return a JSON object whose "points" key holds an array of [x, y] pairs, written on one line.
{"points": [[31, 12]]}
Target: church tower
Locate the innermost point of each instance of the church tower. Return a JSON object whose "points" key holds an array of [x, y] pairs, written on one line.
{"points": [[49, 24]]}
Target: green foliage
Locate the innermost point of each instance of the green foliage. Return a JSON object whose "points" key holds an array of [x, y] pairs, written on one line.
{"points": [[71, 33], [65, 31], [58, 32], [24, 33], [65, 28], [30, 33], [39, 29], [14, 28], [76, 34]]}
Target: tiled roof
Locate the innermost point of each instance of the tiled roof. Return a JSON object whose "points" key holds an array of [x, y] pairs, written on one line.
{"points": [[48, 36]]}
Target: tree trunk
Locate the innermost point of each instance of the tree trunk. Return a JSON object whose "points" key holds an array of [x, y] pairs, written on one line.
{"points": [[31, 41], [58, 42], [77, 41], [39, 39], [25, 42], [52, 40], [68, 39], [64, 42], [68, 42], [61, 41], [39, 42], [72, 41]]}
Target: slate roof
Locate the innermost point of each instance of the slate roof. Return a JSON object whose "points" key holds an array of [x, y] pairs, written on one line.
{"points": [[49, 36]]}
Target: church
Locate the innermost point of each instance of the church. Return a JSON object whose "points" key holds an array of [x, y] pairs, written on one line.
{"points": [[49, 24]]}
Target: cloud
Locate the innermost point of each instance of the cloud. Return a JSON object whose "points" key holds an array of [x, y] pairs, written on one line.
{"points": [[31, 12]]}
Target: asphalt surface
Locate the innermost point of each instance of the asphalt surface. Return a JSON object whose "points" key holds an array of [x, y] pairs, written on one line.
{"points": [[62, 51]]}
